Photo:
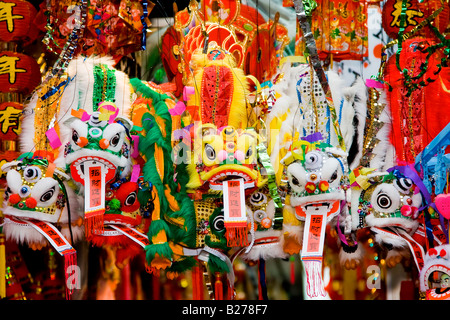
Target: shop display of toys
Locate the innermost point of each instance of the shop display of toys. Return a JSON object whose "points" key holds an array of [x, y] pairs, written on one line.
{"points": [[243, 155]]}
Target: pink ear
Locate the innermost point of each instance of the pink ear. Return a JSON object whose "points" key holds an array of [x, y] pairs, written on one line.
{"points": [[239, 155], [222, 155]]}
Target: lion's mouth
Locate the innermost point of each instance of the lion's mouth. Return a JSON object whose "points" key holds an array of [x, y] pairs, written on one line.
{"points": [[216, 181], [79, 165]]}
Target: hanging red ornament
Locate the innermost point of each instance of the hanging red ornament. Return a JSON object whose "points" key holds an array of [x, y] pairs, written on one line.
{"points": [[16, 23], [415, 13], [19, 73], [10, 113]]}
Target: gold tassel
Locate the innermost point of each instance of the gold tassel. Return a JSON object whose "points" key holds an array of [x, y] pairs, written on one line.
{"points": [[2, 267]]}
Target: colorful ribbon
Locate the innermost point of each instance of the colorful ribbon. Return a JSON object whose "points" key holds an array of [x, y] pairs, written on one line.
{"points": [[264, 158]]}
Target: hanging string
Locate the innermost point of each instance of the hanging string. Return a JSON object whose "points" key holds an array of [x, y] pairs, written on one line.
{"points": [[262, 286]]}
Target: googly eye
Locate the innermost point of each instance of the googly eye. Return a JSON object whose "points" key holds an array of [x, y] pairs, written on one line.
{"points": [[24, 191], [95, 132], [75, 136], [114, 140], [258, 199], [259, 215], [95, 121], [384, 201], [47, 195], [333, 176], [131, 199], [249, 153], [210, 152], [403, 185], [32, 174], [313, 160], [219, 223]]}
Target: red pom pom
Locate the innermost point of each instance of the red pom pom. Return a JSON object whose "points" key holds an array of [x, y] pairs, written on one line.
{"points": [[31, 203], [14, 198], [432, 252]]}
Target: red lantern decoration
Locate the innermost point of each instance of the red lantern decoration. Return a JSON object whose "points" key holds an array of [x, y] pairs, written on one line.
{"points": [[416, 119], [16, 21], [19, 73], [10, 113], [415, 13]]}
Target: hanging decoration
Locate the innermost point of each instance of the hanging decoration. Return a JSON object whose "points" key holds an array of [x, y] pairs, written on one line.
{"points": [[234, 27], [114, 28], [339, 29]]}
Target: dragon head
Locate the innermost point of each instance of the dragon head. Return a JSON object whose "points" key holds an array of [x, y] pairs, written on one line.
{"points": [[391, 199], [435, 274], [122, 204], [221, 155], [102, 138], [37, 190], [315, 172]]}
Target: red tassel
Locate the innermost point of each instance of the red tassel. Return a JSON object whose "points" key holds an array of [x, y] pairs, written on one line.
{"points": [[237, 236], [292, 265], [156, 286], [218, 287], [197, 283], [70, 259], [260, 296], [93, 222]]}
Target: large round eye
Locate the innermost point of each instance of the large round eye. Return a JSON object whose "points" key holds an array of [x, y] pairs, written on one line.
{"points": [[47, 195], [384, 201], [295, 181], [313, 160], [403, 185], [210, 152], [32, 174], [75, 136], [114, 140], [249, 153], [24, 191], [131, 199], [219, 223], [258, 215], [333, 176], [258, 199]]}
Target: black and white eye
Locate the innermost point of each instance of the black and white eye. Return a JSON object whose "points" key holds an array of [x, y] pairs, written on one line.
{"points": [[313, 160], [384, 201], [32, 174], [47, 195], [210, 152], [385, 198], [258, 199], [131, 199], [259, 215], [249, 153], [403, 185], [75, 136], [295, 181], [219, 223], [333, 176], [114, 140]]}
